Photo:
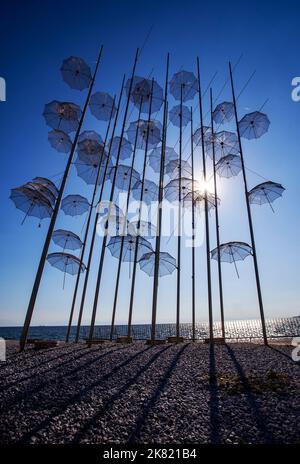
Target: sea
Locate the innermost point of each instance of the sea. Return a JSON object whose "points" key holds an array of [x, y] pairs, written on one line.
{"points": [[242, 330]]}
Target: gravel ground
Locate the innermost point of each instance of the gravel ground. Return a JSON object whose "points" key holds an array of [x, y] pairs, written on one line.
{"points": [[186, 393]]}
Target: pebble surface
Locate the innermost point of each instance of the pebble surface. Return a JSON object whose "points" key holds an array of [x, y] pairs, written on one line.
{"points": [[185, 393]]}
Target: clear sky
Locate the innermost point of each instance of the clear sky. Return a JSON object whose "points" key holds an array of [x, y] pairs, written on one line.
{"points": [[35, 38]]}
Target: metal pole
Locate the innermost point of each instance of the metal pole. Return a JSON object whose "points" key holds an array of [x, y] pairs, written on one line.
{"points": [[88, 266], [193, 235], [179, 225], [210, 314], [122, 239], [260, 301], [99, 275], [217, 217], [139, 218], [44, 254], [88, 221], [159, 206]]}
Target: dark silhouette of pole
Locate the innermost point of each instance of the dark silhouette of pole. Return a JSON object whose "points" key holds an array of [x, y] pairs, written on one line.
{"points": [[136, 248], [88, 266], [260, 301], [209, 292], [159, 206], [193, 235], [99, 275], [124, 227], [88, 221], [44, 254], [217, 217], [179, 224]]}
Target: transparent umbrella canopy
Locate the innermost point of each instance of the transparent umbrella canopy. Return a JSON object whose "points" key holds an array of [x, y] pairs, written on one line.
{"points": [[225, 143], [47, 183], [148, 131], [60, 141], [67, 263], [186, 81], [125, 150], [229, 166], [174, 115], [90, 143], [266, 192], [124, 173], [154, 157], [44, 191], [145, 229], [167, 264], [173, 169], [197, 137], [102, 106], [66, 239], [172, 188], [231, 252], [129, 246], [223, 112], [141, 94], [111, 218], [87, 167], [76, 73], [74, 205], [31, 202], [62, 116], [150, 191], [254, 125], [198, 199]]}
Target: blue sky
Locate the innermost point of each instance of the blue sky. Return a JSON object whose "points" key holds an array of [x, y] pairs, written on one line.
{"points": [[37, 36]]}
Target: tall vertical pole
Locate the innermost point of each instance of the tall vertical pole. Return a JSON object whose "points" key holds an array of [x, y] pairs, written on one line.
{"points": [[209, 291], [44, 254], [86, 233], [260, 301], [99, 275], [136, 249], [217, 217], [105, 176], [179, 224], [125, 224], [193, 235], [159, 206]]}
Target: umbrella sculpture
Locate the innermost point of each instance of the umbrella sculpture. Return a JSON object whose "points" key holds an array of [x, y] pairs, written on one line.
{"points": [[167, 264], [47, 183], [198, 197], [60, 141], [90, 143], [76, 73], [231, 252], [123, 176], [154, 157], [172, 188], [62, 116], [223, 112], [125, 150], [229, 166], [130, 242], [197, 137], [175, 114], [74, 205], [145, 229], [66, 263], [173, 167], [112, 214], [31, 202], [44, 191], [142, 91], [254, 125], [267, 192], [87, 168], [150, 191], [225, 143], [66, 239], [102, 106], [184, 82], [153, 134]]}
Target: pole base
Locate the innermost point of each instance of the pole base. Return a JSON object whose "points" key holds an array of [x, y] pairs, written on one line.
{"points": [[175, 339], [157, 341], [124, 339], [217, 340]]}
